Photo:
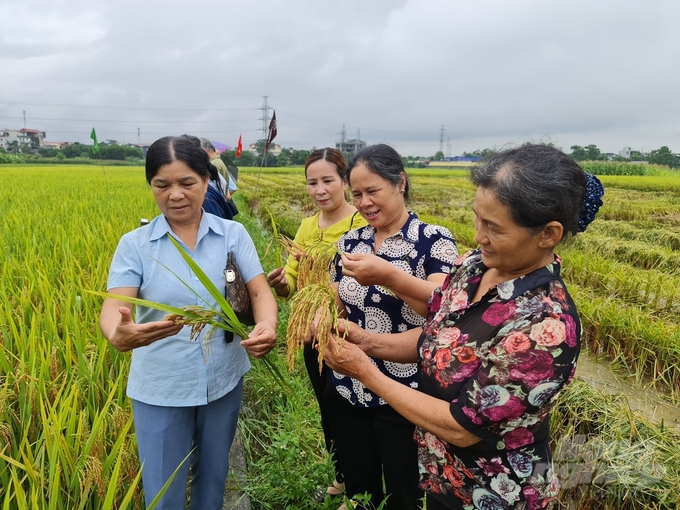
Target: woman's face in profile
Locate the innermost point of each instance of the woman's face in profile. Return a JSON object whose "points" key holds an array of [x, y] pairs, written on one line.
{"points": [[506, 247], [179, 192]]}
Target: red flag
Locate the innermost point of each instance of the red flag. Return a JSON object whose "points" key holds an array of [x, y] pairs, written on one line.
{"points": [[239, 147], [272, 132]]}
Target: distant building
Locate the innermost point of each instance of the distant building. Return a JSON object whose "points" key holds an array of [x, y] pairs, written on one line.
{"points": [[35, 137], [351, 146], [274, 149], [31, 137], [625, 152], [54, 145]]}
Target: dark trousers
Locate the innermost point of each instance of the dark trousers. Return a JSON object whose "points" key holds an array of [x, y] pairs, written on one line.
{"points": [[373, 443], [319, 382]]}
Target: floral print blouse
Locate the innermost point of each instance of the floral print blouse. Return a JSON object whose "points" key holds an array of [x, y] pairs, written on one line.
{"points": [[419, 249], [501, 362]]}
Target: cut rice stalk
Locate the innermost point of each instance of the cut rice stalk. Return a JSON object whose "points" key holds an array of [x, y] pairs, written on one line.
{"points": [[313, 304]]}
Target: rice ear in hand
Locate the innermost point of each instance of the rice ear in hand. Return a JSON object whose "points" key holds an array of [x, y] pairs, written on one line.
{"points": [[314, 302], [315, 265]]}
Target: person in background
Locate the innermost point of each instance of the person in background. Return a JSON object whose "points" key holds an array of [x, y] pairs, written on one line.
{"points": [[217, 162], [185, 394], [326, 185], [385, 274], [501, 340], [215, 201]]}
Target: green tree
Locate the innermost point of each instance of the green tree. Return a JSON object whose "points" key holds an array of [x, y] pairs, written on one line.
{"points": [[578, 153], [270, 160], [483, 154], [247, 159], [594, 153], [282, 159], [636, 156], [73, 150], [299, 157], [117, 152], [439, 156], [664, 156]]}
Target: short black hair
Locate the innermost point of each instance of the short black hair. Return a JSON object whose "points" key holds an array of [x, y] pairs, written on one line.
{"points": [[185, 148], [383, 160]]}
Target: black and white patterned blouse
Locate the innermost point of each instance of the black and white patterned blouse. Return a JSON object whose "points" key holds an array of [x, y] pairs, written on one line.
{"points": [[418, 249]]}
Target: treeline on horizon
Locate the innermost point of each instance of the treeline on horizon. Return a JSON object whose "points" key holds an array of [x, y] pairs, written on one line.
{"points": [[294, 157]]}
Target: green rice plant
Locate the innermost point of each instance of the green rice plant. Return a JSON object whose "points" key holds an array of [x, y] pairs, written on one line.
{"points": [[609, 457], [622, 168], [655, 291], [637, 254], [669, 181], [647, 232], [635, 205], [646, 347], [198, 318], [64, 416], [278, 250]]}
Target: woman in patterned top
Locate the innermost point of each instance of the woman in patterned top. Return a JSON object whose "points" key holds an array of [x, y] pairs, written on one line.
{"points": [[501, 339], [386, 273]]}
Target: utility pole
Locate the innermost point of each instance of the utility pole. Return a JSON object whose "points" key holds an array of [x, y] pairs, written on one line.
{"points": [[24, 119], [265, 117], [441, 139], [343, 136], [139, 137], [448, 146]]}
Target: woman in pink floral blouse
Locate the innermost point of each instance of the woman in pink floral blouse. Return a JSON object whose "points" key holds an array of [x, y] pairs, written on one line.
{"points": [[502, 338]]}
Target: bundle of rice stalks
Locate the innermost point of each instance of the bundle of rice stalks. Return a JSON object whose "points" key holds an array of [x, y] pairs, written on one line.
{"points": [[314, 303], [314, 300], [315, 265]]}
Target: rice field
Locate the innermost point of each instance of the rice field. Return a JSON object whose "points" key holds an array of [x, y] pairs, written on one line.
{"points": [[66, 433]]}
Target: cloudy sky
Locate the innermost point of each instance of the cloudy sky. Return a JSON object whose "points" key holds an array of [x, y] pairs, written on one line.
{"points": [[492, 72]]}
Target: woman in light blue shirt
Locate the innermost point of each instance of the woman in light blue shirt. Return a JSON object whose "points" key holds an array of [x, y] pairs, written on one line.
{"points": [[185, 394]]}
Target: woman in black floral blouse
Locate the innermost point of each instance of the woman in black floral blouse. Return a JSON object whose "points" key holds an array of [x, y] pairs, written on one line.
{"points": [[502, 338]]}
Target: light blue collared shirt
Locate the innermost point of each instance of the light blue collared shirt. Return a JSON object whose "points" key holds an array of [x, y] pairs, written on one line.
{"points": [[175, 371]]}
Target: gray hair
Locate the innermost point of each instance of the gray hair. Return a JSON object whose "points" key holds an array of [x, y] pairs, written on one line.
{"points": [[207, 145], [538, 183]]}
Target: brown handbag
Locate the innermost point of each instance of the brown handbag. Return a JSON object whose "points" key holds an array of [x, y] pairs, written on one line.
{"points": [[236, 292]]}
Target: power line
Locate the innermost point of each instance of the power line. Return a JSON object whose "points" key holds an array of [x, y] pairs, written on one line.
{"points": [[107, 132], [131, 120], [136, 108]]}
